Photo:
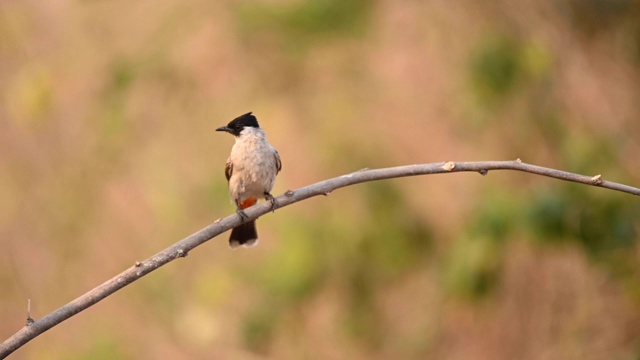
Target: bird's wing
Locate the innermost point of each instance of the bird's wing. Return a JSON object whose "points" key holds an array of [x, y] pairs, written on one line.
{"points": [[228, 170], [278, 162]]}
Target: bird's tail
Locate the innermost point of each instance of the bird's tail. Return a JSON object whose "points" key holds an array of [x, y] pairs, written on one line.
{"points": [[244, 234]]}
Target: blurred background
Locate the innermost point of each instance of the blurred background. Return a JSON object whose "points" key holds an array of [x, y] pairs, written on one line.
{"points": [[108, 154]]}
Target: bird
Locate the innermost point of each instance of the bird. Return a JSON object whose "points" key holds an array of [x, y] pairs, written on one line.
{"points": [[251, 171]]}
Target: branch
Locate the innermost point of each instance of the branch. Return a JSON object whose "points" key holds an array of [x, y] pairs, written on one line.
{"points": [[34, 328]]}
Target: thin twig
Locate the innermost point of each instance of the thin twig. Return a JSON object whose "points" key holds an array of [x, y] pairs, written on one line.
{"points": [[182, 247]]}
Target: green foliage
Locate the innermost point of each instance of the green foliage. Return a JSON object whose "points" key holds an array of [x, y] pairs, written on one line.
{"points": [[599, 225], [394, 237], [497, 218], [103, 347], [303, 23], [119, 80], [363, 250], [605, 227], [295, 270], [121, 75], [259, 326], [472, 267], [153, 291], [547, 217], [585, 153], [362, 320], [503, 64], [391, 241], [496, 69]]}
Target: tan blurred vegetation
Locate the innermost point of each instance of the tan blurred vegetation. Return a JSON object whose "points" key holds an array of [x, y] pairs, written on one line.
{"points": [[108, 154]]}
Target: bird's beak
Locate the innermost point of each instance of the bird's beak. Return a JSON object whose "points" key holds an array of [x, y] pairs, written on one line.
{"points": [[223, 128]]}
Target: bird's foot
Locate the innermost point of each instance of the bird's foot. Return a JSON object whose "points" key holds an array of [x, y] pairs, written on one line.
{"points": [[272, 200], [243, 215]]}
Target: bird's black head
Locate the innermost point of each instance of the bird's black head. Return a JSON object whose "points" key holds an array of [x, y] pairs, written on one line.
{"points": [[236, 125]]}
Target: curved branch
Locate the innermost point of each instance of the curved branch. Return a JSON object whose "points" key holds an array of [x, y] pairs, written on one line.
{"points": [[182, 247]]}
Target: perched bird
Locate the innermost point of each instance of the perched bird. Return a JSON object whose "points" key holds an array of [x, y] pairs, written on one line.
{"points": [[251, 172]]}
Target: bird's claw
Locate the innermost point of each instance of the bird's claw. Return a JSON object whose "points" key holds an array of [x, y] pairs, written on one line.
{"points": [[272, 200], [243, 215]]}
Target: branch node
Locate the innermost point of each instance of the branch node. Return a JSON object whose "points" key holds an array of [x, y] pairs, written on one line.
{"points": [[483, 172], [29, 318], [518, 160], [217, 220], [138, 264], [448, 166], [597, 180], [289, 193], [181, 253], [363, 169]]}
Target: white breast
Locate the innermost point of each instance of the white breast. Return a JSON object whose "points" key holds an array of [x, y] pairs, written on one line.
{"points": [[254, 165]]}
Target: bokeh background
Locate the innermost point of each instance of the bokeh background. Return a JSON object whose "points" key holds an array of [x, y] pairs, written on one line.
{"points": [[108, 154]]}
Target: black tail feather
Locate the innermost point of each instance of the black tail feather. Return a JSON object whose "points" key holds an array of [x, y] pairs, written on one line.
{"points": [[244, 235]]}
